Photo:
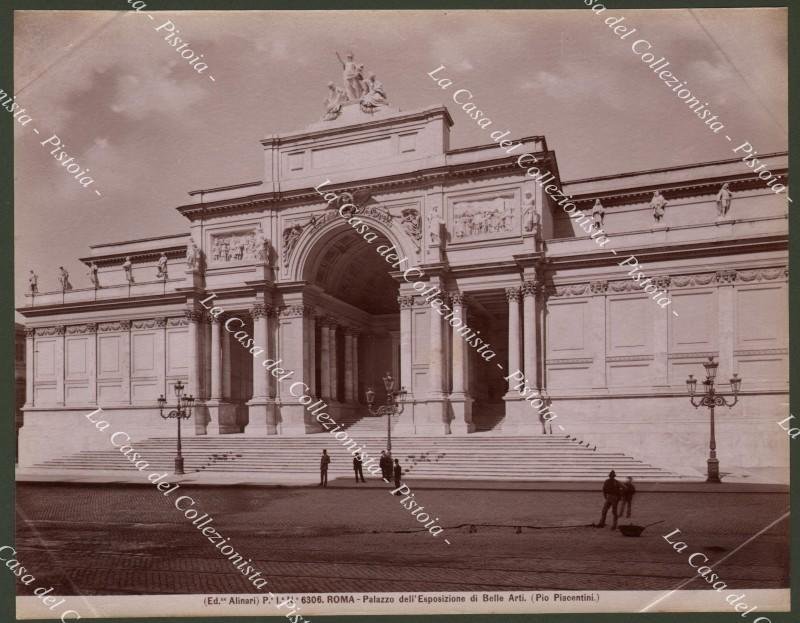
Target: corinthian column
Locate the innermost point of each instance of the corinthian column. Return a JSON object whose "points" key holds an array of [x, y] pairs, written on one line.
{"points": [[348, 366], [324, 360], [193, 383], [460, 401], [530, 359], [436, 355], [29, 336], [406, 303], [216, 360], [260, 313], [513, 296], [334, 357]]}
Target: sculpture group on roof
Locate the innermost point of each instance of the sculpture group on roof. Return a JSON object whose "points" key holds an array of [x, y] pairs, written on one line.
{"points": [[359, 86]]}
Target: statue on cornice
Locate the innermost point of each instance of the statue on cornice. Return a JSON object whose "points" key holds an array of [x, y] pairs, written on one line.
{"points": [[162, 267], [333, 102], [352, 74], [93, 276], [375, 95], [724, 197], [63, 279], [261, 246], [192, 256], [33, 282], [658, 205], [598, 214], [127, 267]]}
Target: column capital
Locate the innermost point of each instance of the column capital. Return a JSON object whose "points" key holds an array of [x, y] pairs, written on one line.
{"points": [[458, 298], [598, 287], [352, 331], [30, 332], [405, 301], [513, 294], [662, 281], [61, 329], [330, 322], [161, 322], [725, 276], [192, 315], [529, 288], [261, 310], [125, 325]]}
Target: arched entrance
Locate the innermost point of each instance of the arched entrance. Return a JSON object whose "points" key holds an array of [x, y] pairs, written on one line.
{"points": [[357, 322]]}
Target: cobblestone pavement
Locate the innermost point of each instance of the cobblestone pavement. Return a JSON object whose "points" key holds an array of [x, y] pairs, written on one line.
{"points": [[94, 540]]}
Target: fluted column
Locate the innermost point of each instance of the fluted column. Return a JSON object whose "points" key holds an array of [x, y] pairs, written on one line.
{"points": [[406, 303], [513, 296], [324, 360], [348, 366], [334, 357], [529, 333], [216, 359], [726, 304], [29, 367], [259, 313]]}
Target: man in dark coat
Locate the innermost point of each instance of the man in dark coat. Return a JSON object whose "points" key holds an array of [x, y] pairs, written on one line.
{"points": [[611, 492], [628, 491], [398, 472], [324, 461], [358, 467], [385, 463]]}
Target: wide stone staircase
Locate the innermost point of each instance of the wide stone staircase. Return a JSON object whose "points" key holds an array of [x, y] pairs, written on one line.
{"points": [[473, 457]]}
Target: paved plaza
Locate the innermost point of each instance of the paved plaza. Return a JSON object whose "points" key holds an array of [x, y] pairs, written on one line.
{"points": [[111, 539]]}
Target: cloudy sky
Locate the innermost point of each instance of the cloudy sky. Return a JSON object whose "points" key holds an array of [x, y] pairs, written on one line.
{"points": [[150, 128]]}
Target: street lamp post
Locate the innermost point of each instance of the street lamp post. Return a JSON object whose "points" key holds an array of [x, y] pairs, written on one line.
{"points": [[712, 399], [183, 411], [391, 407]]}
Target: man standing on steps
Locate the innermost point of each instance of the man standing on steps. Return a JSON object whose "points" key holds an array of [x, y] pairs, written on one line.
{"points": [[611, 492], [324, 461], [358, 467]]}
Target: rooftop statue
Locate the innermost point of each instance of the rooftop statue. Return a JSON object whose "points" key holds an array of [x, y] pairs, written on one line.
{"points": [[359, 86]]}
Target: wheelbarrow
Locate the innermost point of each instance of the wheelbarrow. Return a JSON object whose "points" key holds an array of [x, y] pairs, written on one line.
{"points": [[634, 530]]}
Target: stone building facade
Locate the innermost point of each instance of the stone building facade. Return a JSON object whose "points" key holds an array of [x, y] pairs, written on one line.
{"points": [[301, 281]]}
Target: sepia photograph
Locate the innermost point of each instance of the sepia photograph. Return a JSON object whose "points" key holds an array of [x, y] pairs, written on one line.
{"points": [[383, 312]]}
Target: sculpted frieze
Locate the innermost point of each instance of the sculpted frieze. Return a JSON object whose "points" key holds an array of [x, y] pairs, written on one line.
{"points": [[485, 218], [237, 247]]}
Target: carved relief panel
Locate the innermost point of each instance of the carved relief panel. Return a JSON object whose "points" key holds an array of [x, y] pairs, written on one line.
{"points": [[244, 246], [485, 216]]}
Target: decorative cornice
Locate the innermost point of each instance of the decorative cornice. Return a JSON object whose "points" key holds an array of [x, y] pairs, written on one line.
{"points": [[576, 360], [762, 351], [614, 358], [571, 289], [80, 329], [700, 279], [763, 274], [703, 355]]}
